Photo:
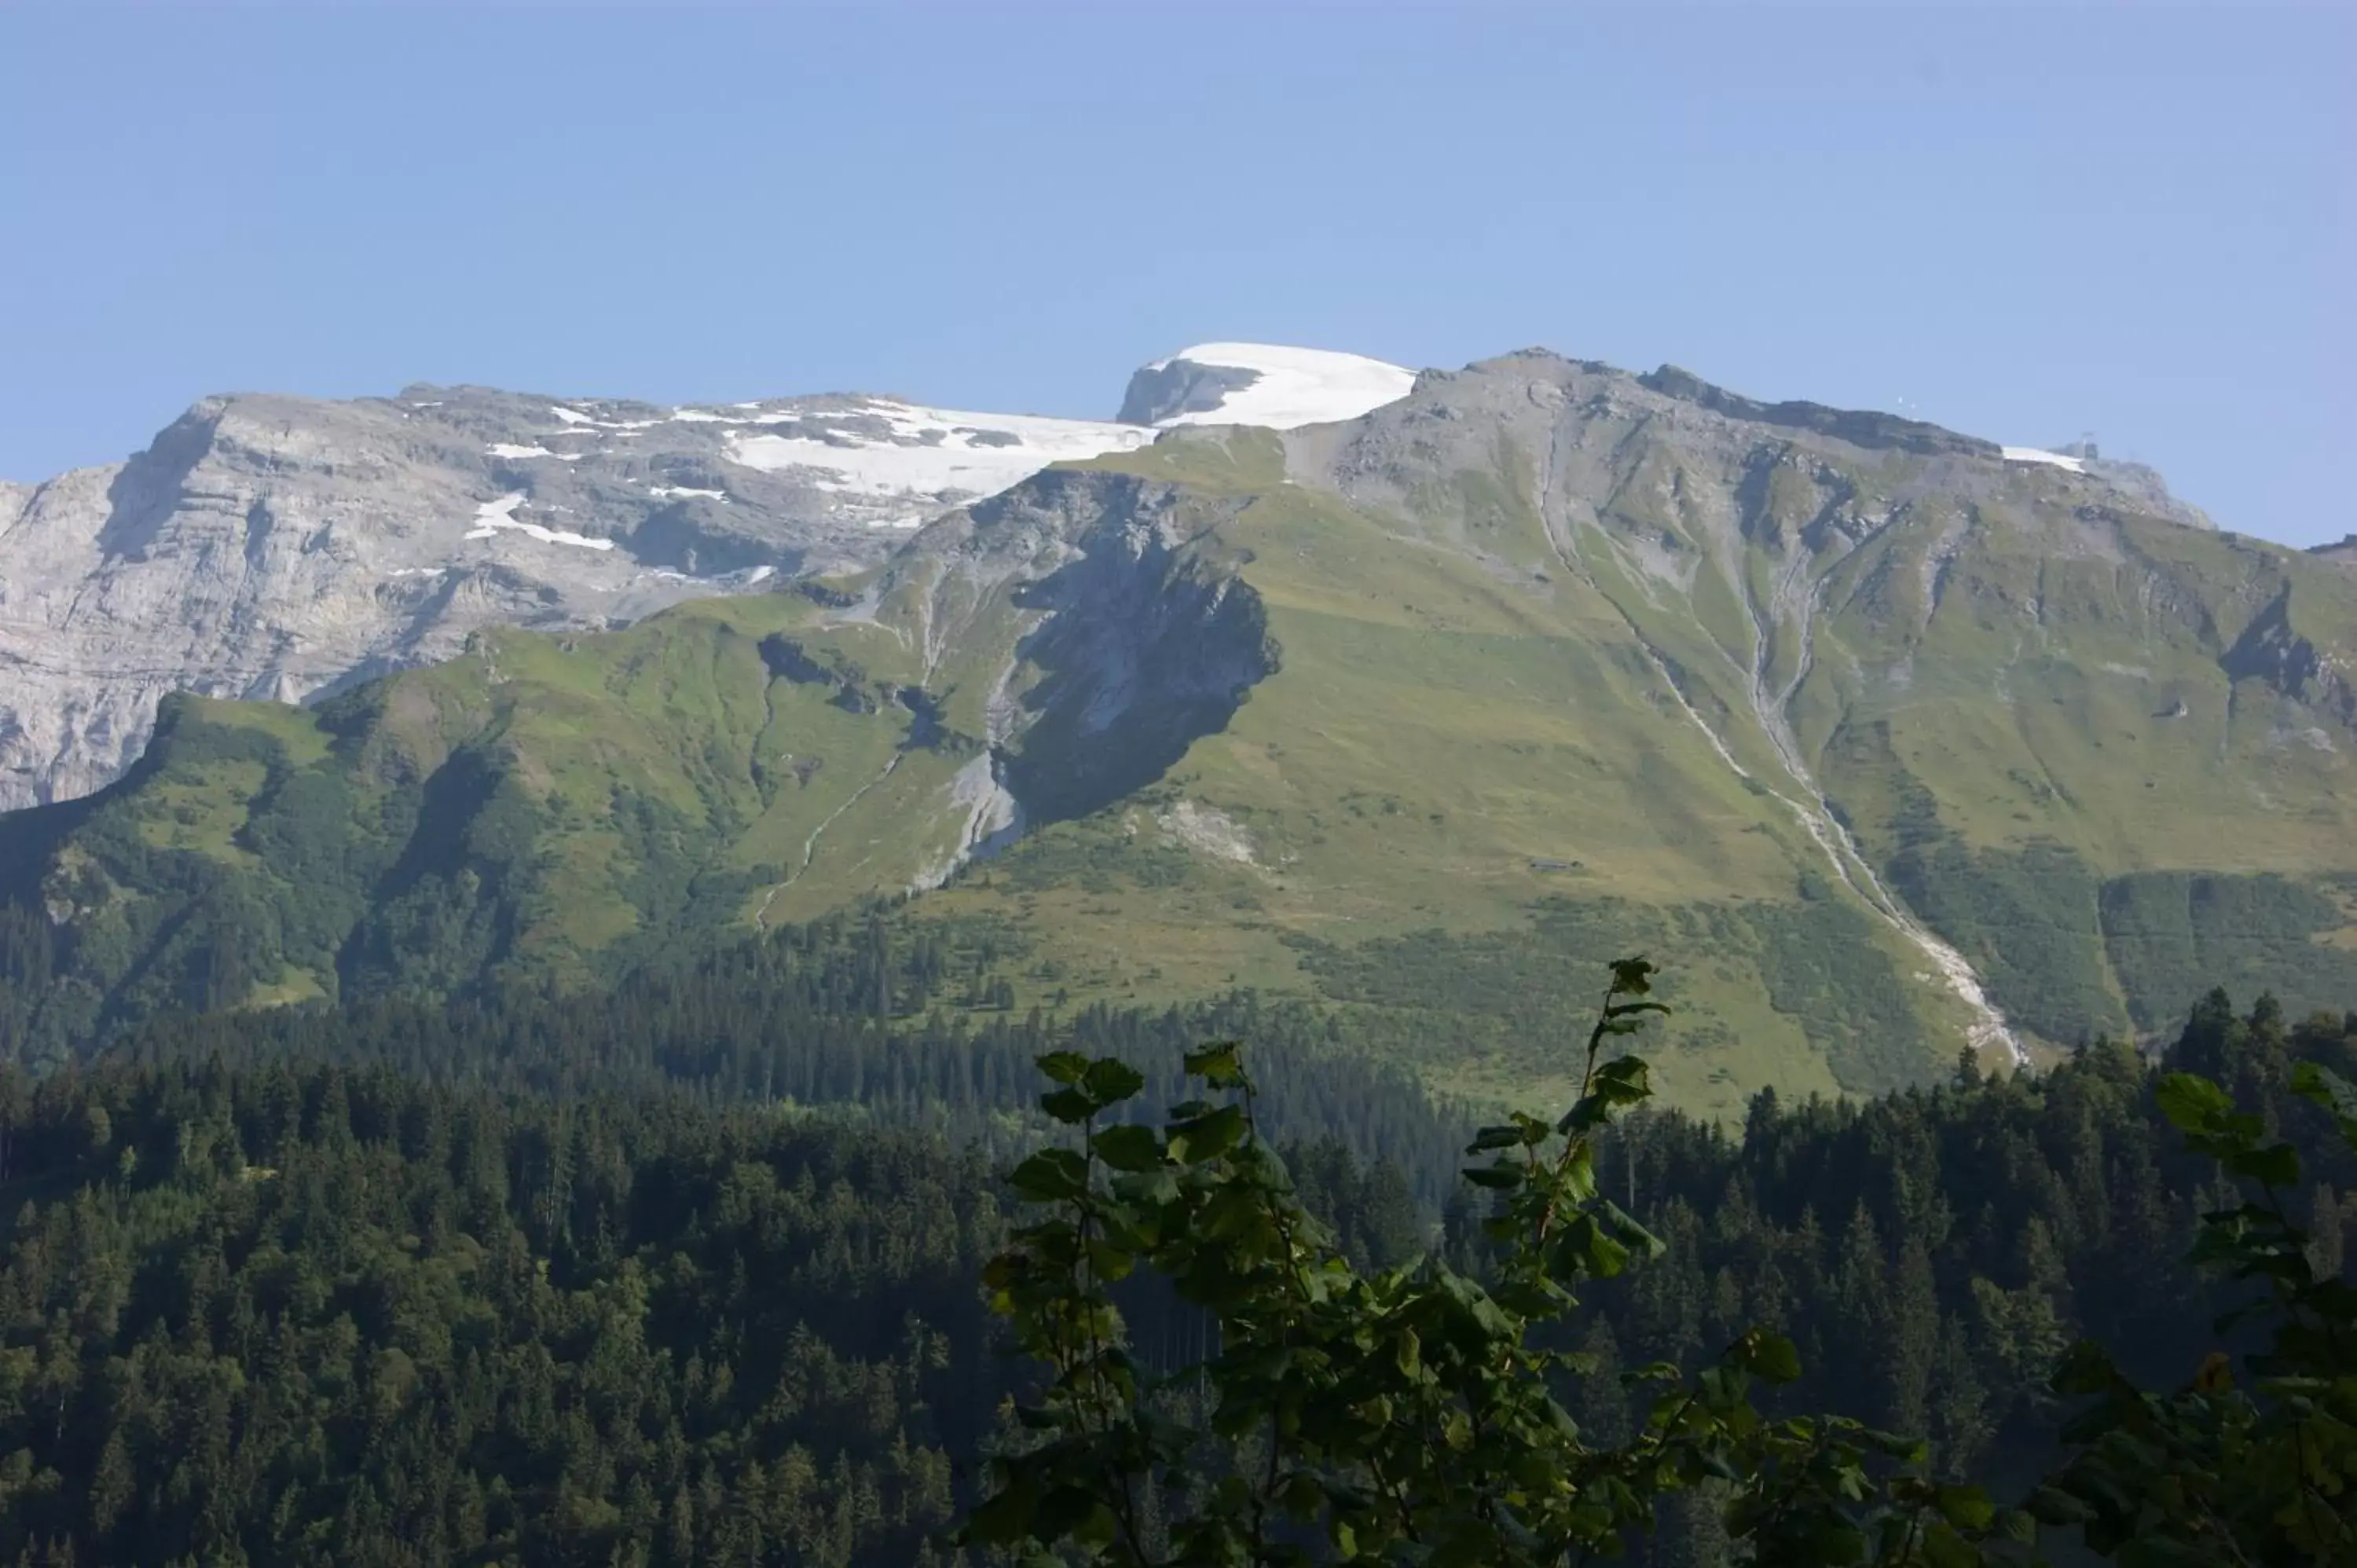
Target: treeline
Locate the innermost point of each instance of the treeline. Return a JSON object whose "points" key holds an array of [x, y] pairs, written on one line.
{"points": [[273, 1295], [288, 1315], [1934, 1252], [861, 1014]]}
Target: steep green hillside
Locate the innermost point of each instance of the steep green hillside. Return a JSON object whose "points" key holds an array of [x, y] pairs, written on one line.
{"points": [[1422, 717], [537, 808]]}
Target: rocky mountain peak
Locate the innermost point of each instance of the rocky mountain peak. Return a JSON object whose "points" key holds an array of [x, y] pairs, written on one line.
{"points": [[273, 546], [1261, 384]]}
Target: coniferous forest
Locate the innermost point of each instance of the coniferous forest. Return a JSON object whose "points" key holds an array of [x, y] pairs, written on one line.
{"points": [[688, 1275]]}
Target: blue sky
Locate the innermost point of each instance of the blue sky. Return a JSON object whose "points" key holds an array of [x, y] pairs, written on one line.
{"points": [[2023, 224]]}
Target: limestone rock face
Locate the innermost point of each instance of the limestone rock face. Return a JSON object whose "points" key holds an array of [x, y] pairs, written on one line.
{"points": [[283, 547]]}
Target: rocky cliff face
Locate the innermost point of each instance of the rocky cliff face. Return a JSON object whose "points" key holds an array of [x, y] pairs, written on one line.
{"points": [[1127, 641], [283, 547]]}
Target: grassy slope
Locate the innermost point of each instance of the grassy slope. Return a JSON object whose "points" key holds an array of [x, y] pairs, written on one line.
{"points": [[569, 801], [1435, 735], [1468, 783]]}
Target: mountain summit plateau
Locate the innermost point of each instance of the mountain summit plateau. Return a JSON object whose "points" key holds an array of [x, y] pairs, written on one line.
{"points": [[282, 548]]}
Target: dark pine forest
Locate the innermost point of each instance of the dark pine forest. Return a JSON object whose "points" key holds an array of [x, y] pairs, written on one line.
{"points": [[686, 1273]]}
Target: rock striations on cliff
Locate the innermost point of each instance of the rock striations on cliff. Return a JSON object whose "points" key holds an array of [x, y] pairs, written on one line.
{"points": [[282, 547]]}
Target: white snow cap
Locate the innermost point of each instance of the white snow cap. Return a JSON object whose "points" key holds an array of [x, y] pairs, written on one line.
{"points": [[1295, 386]]}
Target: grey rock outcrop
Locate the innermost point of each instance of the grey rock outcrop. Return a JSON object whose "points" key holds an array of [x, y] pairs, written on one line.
{"points": [[1177, 386], [282, 547]]}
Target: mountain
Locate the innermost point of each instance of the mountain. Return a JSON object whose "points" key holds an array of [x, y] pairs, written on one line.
{"points": [[1899, 738], [283, 548]]}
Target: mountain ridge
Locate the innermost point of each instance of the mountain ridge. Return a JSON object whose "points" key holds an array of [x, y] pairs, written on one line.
{"points": [[269, 546], [1537, 663]]}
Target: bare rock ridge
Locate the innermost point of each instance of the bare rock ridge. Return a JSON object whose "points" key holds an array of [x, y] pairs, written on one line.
{"points": [[1261, 384], [283, 548], [2344, 554]]}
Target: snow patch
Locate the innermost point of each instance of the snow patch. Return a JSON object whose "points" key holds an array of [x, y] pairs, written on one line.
{"points": [[571, 415], [509, 449], [670, 490], [493, 516], [1294, 387], [932, 452], [2040, 454]]}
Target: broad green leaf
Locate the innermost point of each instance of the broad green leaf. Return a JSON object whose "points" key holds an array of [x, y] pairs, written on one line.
{"points": [[1051, 1176], [2273, 1165], [2317, 1082], [1129, 1148], [1218, 1064], [1769, 1356], [1207, 1136], [1109, 1083], [2192, 1103], [1069, 1105], [1062, 1067]]}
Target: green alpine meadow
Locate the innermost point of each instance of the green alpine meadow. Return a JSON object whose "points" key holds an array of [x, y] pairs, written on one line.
{"points": [[1910, 741]]}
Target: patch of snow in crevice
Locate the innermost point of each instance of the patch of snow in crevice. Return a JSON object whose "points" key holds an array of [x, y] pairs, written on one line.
{"points": [[1292, 387], [492, 517], [578, 423], [931, 452], [509, 449], [2040, 454], [670, 490]]}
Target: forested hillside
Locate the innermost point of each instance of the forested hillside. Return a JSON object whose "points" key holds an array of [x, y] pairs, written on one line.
{"points": [[436, 1299]]}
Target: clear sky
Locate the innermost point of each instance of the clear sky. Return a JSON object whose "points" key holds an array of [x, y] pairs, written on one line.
{"points": [[2022, 224]]}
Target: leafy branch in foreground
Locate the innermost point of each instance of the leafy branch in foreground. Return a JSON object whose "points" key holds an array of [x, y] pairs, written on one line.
{"points": [[1409, 1416]]}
